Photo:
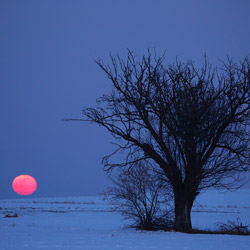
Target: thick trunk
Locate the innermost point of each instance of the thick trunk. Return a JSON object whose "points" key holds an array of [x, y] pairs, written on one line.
{"points": [[183, 206]]}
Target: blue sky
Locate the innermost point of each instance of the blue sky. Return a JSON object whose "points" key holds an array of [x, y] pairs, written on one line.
{"points": [[47, 73]]}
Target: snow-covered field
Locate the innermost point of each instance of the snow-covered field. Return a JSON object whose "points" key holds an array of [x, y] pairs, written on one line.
{"points": [[91, 223]]}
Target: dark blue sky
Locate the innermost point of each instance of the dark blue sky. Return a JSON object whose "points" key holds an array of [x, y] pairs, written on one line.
{"points": [[47, 73]]}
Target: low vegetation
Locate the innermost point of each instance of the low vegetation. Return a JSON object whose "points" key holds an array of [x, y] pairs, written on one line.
{"points": [[142, 198]]}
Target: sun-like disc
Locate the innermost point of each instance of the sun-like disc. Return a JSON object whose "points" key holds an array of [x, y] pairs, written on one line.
{"points": [[24, 184]]}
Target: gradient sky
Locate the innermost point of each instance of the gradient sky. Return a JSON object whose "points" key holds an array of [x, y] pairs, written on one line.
{"points": [[47, 73]]}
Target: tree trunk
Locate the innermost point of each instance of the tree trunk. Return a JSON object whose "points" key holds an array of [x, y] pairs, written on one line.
{"points": [[183, 206]]}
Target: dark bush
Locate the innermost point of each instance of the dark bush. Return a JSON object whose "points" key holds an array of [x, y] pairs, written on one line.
{"points": [[12, 215], [142, 197], [232, 227]]}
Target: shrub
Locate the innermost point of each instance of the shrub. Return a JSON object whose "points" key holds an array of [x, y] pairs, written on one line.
{"points": [[232, 227], [142, 197]]}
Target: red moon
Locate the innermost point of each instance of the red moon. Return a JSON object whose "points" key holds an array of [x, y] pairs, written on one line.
{"points": [[24, 184]]}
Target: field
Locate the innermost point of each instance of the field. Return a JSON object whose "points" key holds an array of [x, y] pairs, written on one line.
{"points": [[93, 224]]}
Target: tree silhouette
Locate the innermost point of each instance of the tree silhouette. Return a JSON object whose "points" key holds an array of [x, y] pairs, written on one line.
{"points": [[191, 123]]}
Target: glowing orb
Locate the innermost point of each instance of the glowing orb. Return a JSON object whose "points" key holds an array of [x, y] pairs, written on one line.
{"points": [[24, 184]]}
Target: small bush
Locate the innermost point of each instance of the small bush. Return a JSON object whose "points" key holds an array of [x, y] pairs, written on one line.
{"points": [[142, 197], [232, 227], [13, 215]]}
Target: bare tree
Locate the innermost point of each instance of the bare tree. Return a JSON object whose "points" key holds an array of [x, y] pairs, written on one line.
{"points": [[191, 123], [143, 197]]}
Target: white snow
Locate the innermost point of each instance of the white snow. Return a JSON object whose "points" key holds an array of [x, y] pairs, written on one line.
{"points": [[91, 223]]}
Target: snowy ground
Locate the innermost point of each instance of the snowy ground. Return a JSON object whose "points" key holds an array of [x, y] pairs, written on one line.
{"points": [[91, 223]]}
